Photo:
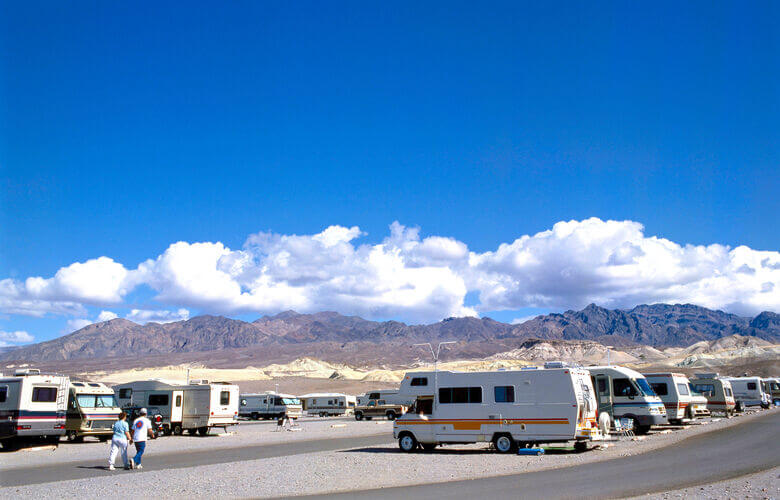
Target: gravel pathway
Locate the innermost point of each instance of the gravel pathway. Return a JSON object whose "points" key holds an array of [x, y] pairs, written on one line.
{"points": [[344, 470], [765, 485]]}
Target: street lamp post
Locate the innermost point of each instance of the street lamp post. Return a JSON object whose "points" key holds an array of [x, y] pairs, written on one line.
{"points": [[435, 355]]}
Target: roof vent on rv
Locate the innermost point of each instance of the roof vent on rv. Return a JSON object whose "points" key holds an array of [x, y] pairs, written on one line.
{"points": [[27, 371], [708, 375], [556, 364], [199, 382]]}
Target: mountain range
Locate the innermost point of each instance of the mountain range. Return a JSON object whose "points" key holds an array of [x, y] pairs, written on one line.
{"points": [[340, 338]]}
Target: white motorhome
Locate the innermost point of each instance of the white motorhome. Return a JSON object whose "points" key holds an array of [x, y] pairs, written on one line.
{"points": [[328, 404], [92, 411], [772, 388], [506, 408], [269, 405], [680, 401], [749, 391], [32, 406], [391, 396], [625, 394], [720, 397], [195, 407]]}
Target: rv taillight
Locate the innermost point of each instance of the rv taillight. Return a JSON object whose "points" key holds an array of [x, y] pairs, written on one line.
{"points": [[23, 427], [212, 413], [59, 426]]}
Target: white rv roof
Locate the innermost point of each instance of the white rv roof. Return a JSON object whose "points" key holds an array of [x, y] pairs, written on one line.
{"points": [[323, 395], [269, 393], [619, 369]]}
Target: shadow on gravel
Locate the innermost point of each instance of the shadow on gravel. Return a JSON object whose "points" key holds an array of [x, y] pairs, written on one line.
{"points": [[437, 451], [93, 467]]}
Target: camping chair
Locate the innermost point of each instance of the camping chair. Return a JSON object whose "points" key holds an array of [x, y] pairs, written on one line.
{"points": [[624, 427]]}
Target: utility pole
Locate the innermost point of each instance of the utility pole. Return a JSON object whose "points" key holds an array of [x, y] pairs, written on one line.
{"points": [[609, 349], [435, 355]]}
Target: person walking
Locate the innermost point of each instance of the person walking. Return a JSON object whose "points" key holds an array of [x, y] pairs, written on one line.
{"points": [[119, 441], [142, 428]]}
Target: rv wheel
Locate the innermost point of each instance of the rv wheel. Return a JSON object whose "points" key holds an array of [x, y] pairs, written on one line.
{"points": [[203, 431], [192, 432], [71, 436], [503, 443], [103, 438], [177, 430], [358, 415], [407, 442], [390, 415], [580, 446]]}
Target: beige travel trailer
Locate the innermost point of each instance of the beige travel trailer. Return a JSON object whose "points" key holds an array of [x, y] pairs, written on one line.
{"points": [[507, 408], [624, 393], [326, 404], [32, 407], [772, 388], [270, 405], [749, 391], [195, 407], [720, 397], [674, 389], [92, 411]]}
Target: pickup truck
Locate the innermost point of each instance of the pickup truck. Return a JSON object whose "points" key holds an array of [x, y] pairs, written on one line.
{"points": [[379, 408]]}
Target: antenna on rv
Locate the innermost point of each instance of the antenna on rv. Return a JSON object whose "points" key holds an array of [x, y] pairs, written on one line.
{"points": [[436, 364]]}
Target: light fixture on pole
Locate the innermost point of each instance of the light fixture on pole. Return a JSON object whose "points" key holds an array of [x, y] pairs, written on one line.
{"points": [[435, 355], [609, 349]]}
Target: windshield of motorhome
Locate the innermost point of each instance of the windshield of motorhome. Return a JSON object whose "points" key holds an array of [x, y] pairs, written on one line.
{"points": [[645, 387], [291, 401], [96, 400]]}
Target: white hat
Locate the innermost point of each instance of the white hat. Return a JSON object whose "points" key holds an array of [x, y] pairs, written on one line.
{"points": [[142, 411]]}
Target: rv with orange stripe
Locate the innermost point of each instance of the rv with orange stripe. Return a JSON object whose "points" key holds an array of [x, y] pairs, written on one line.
{"points": [[720, 397], [507, 408], [680, 402]]}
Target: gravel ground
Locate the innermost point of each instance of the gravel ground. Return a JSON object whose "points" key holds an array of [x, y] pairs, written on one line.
{"points": [[346, 469], [247, 433], [764, 485]]}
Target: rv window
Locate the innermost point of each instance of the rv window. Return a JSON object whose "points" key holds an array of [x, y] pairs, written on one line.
{"points": [[224, 398], [178, 400], [661, 389], [341, 403], [728, 391], [92, 384], [417, 381], [644, 387], [158, 400], [775, 386], [751, 386], [602, 384], [622, 387], [44, 394], [373, 395], [683, 389], [424, 406], [460, 395], [95, 400], [3, 394], [505, 394], [125, 393]]}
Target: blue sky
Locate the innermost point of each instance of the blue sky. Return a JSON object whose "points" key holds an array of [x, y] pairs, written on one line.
{"points": [[124, 129]]}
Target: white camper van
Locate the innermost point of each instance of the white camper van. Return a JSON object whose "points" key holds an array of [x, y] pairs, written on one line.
{"points": [[92, 411], [625, 394], [772, 388], [268, 405], [506, 408], [194, 407], [390, 396], [328, 404], [32, 406], [749, 391], [674, 389], [718, 392]]}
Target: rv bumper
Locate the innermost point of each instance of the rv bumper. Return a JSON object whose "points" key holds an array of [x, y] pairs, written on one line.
{"points": [[652, 419]]}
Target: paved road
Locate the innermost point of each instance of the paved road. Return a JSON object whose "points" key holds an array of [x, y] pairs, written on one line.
{"points": [[156, 462], [714, 456]]}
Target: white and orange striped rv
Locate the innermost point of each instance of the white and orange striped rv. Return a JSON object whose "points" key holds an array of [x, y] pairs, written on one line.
{"points": [[32, 406], [507, 408], [674, 389]]}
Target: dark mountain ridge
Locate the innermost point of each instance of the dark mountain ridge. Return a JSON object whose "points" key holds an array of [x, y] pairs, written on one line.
{"points": [[336, 336]]}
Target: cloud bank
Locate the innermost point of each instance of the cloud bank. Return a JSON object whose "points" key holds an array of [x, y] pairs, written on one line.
{"points": [[406, 276]]}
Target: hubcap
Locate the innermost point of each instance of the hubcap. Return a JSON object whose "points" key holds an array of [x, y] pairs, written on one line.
{"points": [[407, 442], [503, 444]]}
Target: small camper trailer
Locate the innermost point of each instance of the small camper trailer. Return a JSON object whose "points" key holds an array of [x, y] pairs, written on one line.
{"points": [[328, 404], [269, 405], [32, 406]]}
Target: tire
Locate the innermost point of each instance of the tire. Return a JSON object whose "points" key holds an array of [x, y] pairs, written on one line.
{"points": [[255, 416], [177, 430], [369, 418], [580, 446], [504, 443], [407, 442], [689, 413], [390, 415], [203, 431], [103, 438], [323, 414], [640, 430], [605, 423], [358, 415], [71, 436], [192, 432], [428, 447]]}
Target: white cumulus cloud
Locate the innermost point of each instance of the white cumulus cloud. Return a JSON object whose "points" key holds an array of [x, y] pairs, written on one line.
{"points": [[147, 316], [413, 278], [8, 339]]}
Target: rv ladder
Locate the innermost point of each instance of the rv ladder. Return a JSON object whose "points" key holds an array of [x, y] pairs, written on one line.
{"points": [[62, 393]]}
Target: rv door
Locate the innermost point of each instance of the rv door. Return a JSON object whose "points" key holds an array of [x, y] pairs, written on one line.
{"points": [[177, 406], [601, 384]]}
